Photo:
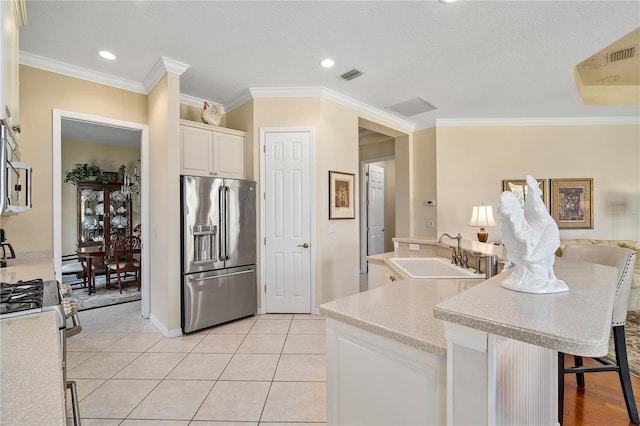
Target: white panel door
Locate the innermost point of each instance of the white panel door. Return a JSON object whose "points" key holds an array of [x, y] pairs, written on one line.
{"points": [[287, 222], [375, 211]]}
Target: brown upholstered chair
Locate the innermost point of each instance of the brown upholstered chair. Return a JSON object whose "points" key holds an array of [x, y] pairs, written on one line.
{"points": [[623, 260], [125, 261]]}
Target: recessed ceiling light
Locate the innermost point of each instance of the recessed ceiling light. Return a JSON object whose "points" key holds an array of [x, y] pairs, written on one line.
{"points": [[107, 55], [327, 63]]}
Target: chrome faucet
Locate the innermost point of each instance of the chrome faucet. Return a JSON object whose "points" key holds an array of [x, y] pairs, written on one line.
{"points": [[456, 255]]}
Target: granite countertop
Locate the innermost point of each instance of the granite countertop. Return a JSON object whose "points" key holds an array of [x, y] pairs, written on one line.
{"points": [[31, 363], [402, 311], [38, 265], [576, 322]]}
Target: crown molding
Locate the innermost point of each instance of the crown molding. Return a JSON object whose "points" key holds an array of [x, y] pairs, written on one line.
{"points": [[544, 121], [241, 99], [195, 101], [58, 67], [162, 66], [321, 92], [425, 125]]}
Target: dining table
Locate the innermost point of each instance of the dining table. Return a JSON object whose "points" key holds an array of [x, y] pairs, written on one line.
{"points": [[96, 252]]}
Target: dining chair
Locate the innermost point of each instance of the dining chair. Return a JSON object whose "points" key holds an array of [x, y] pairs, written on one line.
{"points": [[108, 260], [623, 260], [73, 265], [124, 251]]}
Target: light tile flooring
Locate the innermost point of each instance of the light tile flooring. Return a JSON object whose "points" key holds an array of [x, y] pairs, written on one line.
{"points": [[265, 369]]}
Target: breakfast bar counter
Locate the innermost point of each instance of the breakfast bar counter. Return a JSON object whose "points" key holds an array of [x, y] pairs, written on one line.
{"points": [[438, 351]]}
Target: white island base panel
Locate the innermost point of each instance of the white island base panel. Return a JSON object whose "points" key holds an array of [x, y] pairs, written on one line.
{"points": [[373, 380], [495, 380]]}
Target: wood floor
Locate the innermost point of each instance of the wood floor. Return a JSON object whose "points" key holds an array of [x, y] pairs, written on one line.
{"points": [[600, 402]]}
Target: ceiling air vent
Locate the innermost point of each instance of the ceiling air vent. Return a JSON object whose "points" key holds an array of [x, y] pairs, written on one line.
{"points": [[350, 75], [412, 107], [623, 54]]}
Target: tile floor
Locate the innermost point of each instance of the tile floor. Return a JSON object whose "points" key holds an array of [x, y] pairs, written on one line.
{"points": [[265, 369]]}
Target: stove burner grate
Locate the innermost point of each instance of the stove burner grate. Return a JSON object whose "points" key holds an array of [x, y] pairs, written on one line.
{"points": [[20, 296]]}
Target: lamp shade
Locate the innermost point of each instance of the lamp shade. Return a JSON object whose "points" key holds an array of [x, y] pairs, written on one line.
{"points": [[482, 216]]}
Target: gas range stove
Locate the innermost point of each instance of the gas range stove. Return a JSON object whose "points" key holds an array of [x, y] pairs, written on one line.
{"points": [[34, 296]]}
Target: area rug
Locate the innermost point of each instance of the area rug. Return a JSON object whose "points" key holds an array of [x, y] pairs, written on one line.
{"points": [[632, 335], [102, 296]]}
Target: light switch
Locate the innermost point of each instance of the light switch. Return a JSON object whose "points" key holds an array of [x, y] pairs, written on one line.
{"points": [[332, 228]]}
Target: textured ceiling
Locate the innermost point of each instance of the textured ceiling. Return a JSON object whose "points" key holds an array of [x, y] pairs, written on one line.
{"points": [[470, 59]]}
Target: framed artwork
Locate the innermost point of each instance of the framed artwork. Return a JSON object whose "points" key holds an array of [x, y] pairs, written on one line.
{"points": [[519, 188], [341, 195], [572, 203]]}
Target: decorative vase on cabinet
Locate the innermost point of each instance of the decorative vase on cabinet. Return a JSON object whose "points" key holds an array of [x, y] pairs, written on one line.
{"points": [[104, 213]]}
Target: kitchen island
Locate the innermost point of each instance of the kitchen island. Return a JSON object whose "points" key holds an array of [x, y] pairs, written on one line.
{"points": [[391, 360]]}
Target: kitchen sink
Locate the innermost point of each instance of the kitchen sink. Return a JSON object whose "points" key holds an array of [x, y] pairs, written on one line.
{"points": [[433, 268]]}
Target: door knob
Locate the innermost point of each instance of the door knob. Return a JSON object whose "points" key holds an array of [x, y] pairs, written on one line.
{"points": [[305, 245]]}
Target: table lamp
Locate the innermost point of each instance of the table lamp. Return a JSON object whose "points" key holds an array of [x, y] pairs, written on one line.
{"points": [[482, 216]]}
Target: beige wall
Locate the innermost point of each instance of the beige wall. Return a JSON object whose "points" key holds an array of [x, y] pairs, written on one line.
{"points": [[40, 93], [109, 158], [336, 130], [424, 187], [377, 150], [472, 161], [164, 202]]}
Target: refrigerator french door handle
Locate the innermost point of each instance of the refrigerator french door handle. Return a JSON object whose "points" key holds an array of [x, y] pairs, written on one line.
{"points": [[227, 190], [222, 235]]}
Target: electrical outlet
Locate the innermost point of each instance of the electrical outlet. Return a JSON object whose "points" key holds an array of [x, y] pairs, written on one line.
{"points": [[414, 247]]}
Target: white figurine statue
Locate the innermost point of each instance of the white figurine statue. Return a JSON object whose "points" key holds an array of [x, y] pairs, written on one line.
{"points": [[531, 238]]}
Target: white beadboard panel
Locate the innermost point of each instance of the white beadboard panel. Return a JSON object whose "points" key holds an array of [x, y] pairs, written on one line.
{"points": [[526, 390], [373, 380]]}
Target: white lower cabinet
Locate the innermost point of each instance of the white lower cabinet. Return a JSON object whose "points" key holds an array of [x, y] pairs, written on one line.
{"points": [[379, 275], [372, 380]]}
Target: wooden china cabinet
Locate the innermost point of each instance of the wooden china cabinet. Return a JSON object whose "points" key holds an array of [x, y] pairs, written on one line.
{"points": [[103, 209]]}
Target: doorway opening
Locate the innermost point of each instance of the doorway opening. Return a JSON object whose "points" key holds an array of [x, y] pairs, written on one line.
{"points": [[110, 144], [377, 191]]}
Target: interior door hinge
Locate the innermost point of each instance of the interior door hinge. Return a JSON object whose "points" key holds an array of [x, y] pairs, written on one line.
{"points": [[264, 195], [265, 241], [265, 288], [264, 149], [366, 173], [367, 229]]}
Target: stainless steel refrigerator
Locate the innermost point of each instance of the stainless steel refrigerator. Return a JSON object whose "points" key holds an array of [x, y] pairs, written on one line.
{"points": [[218, 249]]}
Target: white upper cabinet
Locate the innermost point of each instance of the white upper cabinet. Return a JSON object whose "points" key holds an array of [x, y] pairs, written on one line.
{"points": [[13, 16], [211, 151]]}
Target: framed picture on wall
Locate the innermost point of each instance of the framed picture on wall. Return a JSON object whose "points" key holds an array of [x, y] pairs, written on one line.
{"points": [[341, 195], [572, 203], [519, 188]]}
